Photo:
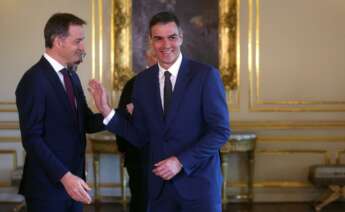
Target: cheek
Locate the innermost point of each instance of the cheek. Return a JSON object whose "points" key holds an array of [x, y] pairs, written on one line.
{"points": [[156, 46]]}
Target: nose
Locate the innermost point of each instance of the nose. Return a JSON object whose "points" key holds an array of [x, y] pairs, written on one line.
{"points": [[82, 47], [166, 43]]}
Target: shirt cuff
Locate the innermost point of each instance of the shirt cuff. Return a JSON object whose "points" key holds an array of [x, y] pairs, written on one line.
{"points": [[107, 119]]}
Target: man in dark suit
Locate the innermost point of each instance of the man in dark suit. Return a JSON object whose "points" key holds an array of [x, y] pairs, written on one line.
{"points": [[180, 111], [54, 118]]}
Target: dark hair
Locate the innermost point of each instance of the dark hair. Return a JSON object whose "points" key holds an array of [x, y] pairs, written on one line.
{"points": [[58, 25], [163, 17]]}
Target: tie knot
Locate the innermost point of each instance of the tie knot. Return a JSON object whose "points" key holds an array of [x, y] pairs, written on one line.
{"points": [[167, 74], [65, 71]]}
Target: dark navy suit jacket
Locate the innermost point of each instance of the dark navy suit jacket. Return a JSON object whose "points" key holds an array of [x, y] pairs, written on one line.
{"points": [[194, 129], [52, 135]]}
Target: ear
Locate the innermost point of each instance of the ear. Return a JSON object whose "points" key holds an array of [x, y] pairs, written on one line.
{"points": [[58, 41]]}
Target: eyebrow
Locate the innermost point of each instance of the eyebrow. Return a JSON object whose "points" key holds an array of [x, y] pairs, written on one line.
{"points": [[172, 35]]}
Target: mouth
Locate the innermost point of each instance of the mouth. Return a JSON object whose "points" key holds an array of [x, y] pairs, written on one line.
{"points": [[81, 57], [166, 52]]}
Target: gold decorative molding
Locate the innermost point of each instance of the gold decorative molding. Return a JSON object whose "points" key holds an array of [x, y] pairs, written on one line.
{"points": [[301, 139], [286, 125], [256, 104], [228, 22], [9, 125], [325, 153], [122, 42], [97, 28], [93, 39], [338, 156], [6, 139], [229, 50], [8, 106], [4, 184], [271, 184], [100, 41]]}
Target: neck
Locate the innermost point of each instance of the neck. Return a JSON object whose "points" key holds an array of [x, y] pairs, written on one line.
{"points": [[56, 56]]}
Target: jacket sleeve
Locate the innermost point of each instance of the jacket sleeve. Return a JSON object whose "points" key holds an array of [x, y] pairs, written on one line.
{"points": [[31, 104], [216, 117], [125, 98], [132, 130]]}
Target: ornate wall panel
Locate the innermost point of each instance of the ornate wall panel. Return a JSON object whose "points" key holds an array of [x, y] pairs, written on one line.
{"points": [[295, 55]]}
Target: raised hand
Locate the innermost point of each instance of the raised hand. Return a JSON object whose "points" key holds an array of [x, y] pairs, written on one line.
{"points": [[100, 97], [76, 188], [168, 168]]}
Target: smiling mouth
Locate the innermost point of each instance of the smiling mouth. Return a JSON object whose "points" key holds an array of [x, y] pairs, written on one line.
{"points": [[166, 52]]}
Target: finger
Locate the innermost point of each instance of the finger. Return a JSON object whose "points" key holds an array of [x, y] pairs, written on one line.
{"points": [[162, 172], [157, 172], [167, 177], [92, 83], [160, 163], [76, 196], [91, 90], [159, 169], [84, 196], [85, 186], [165, 174]]}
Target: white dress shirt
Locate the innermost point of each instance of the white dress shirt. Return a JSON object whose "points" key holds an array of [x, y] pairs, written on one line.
{"points": [[173, 69], [56, 66]]}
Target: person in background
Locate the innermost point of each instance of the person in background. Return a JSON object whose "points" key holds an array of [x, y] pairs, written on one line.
{"points": [[54, 117]]}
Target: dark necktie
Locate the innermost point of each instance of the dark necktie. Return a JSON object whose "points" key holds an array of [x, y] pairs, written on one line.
{"points": [[167, 91], [69, 88]]}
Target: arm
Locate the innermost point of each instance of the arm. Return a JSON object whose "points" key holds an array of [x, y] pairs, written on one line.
{"points": [[125, 99], [30, 101], [132, 131], [216, 118]]}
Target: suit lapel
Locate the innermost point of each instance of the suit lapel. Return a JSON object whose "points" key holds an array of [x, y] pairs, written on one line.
{"points": [[78, 95], [156, 92], [183, 78], [54, 80]]}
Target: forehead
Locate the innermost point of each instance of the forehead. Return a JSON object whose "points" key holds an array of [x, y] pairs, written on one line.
{"points": [[164, 29]]}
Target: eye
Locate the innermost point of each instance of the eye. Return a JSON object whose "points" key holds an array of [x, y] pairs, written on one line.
{"points": [[78, 41], [172, 37], [157, 38]]}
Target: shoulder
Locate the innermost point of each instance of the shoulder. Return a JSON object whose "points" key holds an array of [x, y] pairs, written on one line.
{"points": [[200, 69], [32, 77], [147, 75]]}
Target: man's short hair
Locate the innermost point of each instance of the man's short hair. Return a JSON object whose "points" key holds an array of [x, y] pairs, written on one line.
{"points": [[58, 25], [164, 17]]}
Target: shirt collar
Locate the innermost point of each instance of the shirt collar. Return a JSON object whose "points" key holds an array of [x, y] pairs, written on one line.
{"points": [[174, 68], [56, 65]]}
